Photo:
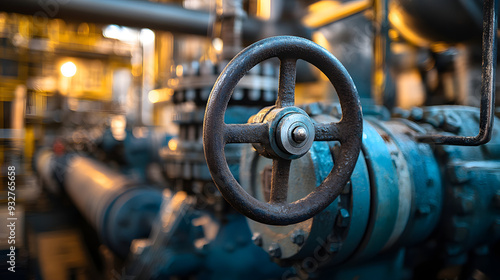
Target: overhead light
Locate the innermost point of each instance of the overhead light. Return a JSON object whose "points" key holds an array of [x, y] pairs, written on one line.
{"points": [[122, 33], [147, 36], [154, 96], [68, 69], [218, 44]]}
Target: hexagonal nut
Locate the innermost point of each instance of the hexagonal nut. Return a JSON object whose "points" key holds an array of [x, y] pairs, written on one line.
{"points": [[458, 174], [257, 239], [343, 218], [313, 109], [436, 119], [274, 250], [416, 114], [424, 210], [298, 237], [398, 112], [335, 247], [460, 231], [347, 188], [465, 204], [452, 122], [334, 110]]}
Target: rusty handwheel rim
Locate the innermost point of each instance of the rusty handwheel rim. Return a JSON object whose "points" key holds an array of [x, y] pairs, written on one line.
{"points": [[216, 134]]}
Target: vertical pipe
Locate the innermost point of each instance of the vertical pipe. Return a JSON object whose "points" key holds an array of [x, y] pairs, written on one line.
{"points": [[380, 50]]}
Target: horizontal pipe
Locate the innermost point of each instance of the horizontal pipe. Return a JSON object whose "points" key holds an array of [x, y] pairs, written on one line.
{"points": [[136, 13], [130, 13], [120, 209], [322, 18], [43, 164]]}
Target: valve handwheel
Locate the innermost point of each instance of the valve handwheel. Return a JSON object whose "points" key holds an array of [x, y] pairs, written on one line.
{"points": [[282, 132]]}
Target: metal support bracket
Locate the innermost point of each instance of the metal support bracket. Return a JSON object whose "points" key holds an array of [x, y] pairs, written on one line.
{"points": [[487, 110]]}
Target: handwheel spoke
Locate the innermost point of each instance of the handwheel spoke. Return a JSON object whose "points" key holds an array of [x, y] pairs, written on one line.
{"points": [[327, 132], [246, 133], [279, 181], [286, 91]]}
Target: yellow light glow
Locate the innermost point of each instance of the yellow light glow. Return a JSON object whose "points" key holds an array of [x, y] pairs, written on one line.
{"points": [[68, 69], [218, 44], [154, 96], [112, 32], [264, 9], [320, 39], [172, 144], [397, 19], [118, 126], [321, 6], [173, 83], [147, 36], [178, 70], [326, 12]]}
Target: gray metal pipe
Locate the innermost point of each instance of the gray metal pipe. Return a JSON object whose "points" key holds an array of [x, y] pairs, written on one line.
{"points": [[131, 13], [143, 14], [119, 208]]}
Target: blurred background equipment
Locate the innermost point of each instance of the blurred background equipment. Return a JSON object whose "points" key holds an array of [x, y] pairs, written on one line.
{"points": [[122, 171]]}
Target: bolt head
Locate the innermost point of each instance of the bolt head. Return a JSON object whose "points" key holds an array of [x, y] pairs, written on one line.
{"points": [[347, 188], [343, 218], [298, 237], [460, 231], [257, 239], [294, 134], [458, 174], [416, 113], [452, 122], [299, 134], [335, 110], [400, 113], [429, 182], [435, 119], [313, 109], [424, 210], [466, 204], [275, 250], [335, 247]]}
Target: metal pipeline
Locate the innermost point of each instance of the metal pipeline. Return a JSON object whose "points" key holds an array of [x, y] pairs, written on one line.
{"points": [[119, 208], [142, 14], [131, 13]]}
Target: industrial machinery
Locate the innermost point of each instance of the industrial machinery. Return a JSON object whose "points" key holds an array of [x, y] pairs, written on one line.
{"points": [[398, 190], [255, 185]]}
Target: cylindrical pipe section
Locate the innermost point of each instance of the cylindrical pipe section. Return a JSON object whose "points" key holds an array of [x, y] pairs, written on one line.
{"points": [[129, 13], [142, 14], [43, 163], [119, 208]]}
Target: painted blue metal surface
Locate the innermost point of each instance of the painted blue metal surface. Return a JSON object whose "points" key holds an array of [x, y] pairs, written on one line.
{"points": [[128, 217], [134, 153], [187, 242], [384, 193], [433, 202]]}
